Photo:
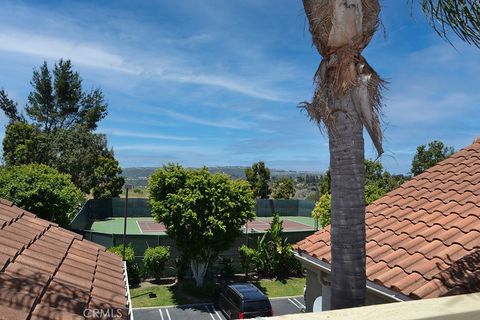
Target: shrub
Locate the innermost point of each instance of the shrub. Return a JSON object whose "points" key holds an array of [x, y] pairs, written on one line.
{"points": [[247, 256], [227, 263], [273, 256], [133, 269], [42, 190], [154, 260]]}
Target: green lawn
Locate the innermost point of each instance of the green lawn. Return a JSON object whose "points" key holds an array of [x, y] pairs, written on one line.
{"points": [[276, 288], [186, 293]]}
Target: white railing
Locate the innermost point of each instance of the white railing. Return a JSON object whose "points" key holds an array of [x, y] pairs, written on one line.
{"points": [[129, 298]]}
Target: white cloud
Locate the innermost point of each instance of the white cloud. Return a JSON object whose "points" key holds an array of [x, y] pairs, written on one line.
{"points": [[53, 47], [95, 56], [226, 82], [135, 134], [228, 123], [164, 149]]}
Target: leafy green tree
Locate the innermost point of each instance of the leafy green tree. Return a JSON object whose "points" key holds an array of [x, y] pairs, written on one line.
{"points": [[258, 175], [108, 181], [373, 192], [283, 189], [154, 260], [78, 153], [24, 143], [379, 181], [322, 208], [133, 270], [427, 157], [42, 190], [61, 129], [202, 212]]}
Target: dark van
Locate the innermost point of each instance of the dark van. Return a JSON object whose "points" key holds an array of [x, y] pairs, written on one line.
{"points": [[244, 301]]}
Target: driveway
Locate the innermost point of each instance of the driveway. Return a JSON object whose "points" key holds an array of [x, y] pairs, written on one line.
{"points": [[281, 306]]}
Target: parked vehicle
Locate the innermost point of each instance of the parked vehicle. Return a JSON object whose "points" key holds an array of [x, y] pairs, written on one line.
{"points": [[244, 301]]}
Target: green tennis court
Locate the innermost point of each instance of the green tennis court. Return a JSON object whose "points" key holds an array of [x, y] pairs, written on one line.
{"points": [[146, 225], [115, 225]]}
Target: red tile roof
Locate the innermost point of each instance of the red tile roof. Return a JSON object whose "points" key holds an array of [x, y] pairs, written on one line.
{"points": [[47, 272], [423, 239]]}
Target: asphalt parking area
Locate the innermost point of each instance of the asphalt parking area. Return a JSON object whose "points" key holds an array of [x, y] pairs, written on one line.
{"points": [[188, 312], [281, 306]]}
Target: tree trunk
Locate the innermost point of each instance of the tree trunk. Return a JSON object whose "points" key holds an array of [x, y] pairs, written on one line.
{"points": [[348, 278], [199, 269]]}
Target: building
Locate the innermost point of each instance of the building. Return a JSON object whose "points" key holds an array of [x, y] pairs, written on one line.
{"points": [[47, 272], [423, 238]]}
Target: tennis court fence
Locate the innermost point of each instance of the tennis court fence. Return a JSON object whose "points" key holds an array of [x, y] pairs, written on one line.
{"points": [[94, 210]]}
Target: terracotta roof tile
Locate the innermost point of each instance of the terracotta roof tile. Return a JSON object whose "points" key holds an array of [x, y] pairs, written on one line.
{"points": [[17, 299], [20, 283], [11, 235], [102, 293], [109, 278], [375, 267], [6, 203], [70, 261], [419, 231], [12, 252], [4, 260], [45, 312], [65, 299], [99, 303], [47, 272], [13, 313], [411, 244], [34, 263], [408, 283]]}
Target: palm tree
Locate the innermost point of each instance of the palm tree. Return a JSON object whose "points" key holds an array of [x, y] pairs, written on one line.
{"points": [[347, 98]]}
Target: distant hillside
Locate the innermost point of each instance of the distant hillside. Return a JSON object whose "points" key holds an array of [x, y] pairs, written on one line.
{"points": [[138, 176]]}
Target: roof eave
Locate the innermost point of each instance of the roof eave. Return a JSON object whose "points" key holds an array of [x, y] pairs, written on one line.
{"points": [[307, 259]]}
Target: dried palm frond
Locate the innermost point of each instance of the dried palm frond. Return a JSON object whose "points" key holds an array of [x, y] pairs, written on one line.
{"points": [[340, 30]]}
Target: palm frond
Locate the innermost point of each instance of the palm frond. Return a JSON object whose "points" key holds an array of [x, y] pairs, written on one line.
{"points": [[460, 16]]}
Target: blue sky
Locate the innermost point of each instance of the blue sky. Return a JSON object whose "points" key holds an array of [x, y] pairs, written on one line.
{"points": [[216, 82]]}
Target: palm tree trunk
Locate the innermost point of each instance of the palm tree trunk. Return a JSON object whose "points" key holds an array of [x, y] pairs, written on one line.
{"points": [[348, 278]]}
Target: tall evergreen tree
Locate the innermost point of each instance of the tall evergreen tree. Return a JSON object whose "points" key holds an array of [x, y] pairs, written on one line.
{"points": [[59, 102], [58, 126]]}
